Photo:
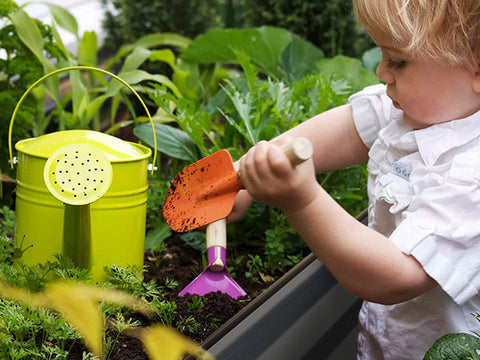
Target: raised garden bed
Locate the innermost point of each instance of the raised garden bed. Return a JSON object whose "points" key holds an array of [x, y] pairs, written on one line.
{"points": [[305, 314]]}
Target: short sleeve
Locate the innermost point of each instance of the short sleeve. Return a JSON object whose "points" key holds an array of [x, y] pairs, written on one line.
{"points": [[371, 112], [441, 229]]}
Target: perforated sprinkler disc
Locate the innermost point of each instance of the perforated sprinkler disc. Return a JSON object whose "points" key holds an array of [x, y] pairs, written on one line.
{"points": [[78, 174]]}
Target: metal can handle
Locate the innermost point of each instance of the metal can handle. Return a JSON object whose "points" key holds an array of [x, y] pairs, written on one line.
{"points": [[79, 67]]}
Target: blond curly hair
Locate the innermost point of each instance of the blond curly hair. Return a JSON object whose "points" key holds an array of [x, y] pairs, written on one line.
{"points": [[438, 30]]}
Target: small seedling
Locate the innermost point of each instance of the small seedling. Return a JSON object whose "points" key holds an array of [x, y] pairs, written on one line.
{"points": [[171, 284], [196, 304], [254, 265]]}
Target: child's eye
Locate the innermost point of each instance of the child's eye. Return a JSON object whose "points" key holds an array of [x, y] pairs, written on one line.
{"points": [[393, 64]]}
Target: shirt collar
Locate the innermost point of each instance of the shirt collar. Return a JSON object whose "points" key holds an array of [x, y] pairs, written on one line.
{"points": [[439, 138]]}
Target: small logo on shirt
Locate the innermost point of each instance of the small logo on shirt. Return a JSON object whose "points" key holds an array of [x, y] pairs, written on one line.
{"points": [[401, 170]]}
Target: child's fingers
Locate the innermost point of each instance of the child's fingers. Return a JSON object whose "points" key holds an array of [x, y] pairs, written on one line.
{"points": [[279, 163], [247, 169], [259, 158]]}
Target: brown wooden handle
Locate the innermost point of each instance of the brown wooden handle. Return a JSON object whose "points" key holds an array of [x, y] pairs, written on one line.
{"points": [[298, 150]]}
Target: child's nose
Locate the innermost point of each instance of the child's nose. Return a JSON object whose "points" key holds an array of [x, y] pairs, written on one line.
{"points": [[384, 73]]}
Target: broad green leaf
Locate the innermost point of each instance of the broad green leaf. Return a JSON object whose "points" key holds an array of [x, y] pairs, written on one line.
{"points": [[87, 50], [31, 36], [163, 39], [136, 58], [59, 42], [119, 125], [455, 347], [195, 239], [264, 46], [155, 237], [114, 107], [243, 103], [63, 18], [150, 41], [79, 98], [160, 117], [137, 76], [124, 51], [41, 120], [171, 141], [93, 107], [298, 58], [187, 78], [346, 69], [163, 343], [165, 55]]}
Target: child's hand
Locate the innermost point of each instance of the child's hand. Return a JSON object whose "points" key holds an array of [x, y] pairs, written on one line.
{"points": [[269, 177], [243, 200]]}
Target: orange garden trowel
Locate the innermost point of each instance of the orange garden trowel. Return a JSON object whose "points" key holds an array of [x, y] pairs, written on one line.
{"points": [[205, 191]]}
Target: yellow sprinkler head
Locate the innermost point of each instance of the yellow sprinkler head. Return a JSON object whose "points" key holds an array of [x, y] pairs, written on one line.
{"points": [[78, 174]]}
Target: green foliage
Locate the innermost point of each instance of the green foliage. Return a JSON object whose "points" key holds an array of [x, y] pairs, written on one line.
{"points": [[327, 24], [283, 246], [20, 66], [7, 221], [188, 325], [171, 284], [255, 109], [120, 324], [165, 311], [27, 332], [348, 187], [33, 334], [185, 17], [277, 52], [196, 304], [254, 267], [249, 109], [196, 239], [455, 347], [130, 279], [154, 240]]}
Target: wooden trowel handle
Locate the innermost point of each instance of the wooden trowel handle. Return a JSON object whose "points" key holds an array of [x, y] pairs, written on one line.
{"points": [[298, 150], [216, 233]]}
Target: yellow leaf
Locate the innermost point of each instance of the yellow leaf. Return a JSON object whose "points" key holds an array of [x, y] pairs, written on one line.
{"points": [[79, 304], [75, 303], [121, 298], [163, 343], [266, 278], [20, 295]]}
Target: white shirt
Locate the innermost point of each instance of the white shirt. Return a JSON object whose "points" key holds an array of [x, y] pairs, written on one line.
{"points": [[424, 195]]}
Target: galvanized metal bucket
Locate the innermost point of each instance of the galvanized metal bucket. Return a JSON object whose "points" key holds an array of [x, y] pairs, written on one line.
{"points": [[117, 219]]}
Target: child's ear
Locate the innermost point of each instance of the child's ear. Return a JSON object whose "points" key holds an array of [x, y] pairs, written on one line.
{"points": [[476, 81]]}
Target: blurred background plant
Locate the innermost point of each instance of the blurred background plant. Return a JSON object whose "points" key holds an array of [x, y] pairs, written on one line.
{"points": [[328, 24], [21, 64]]}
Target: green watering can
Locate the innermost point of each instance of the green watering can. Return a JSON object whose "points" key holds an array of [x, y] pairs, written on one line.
{"points": [[81, 193]]}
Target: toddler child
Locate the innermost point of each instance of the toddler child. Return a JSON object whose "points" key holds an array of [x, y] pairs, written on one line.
{"points": [[417, 264]]}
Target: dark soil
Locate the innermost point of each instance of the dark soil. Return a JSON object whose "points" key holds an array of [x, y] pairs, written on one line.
{"points": [[182, 263]]}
